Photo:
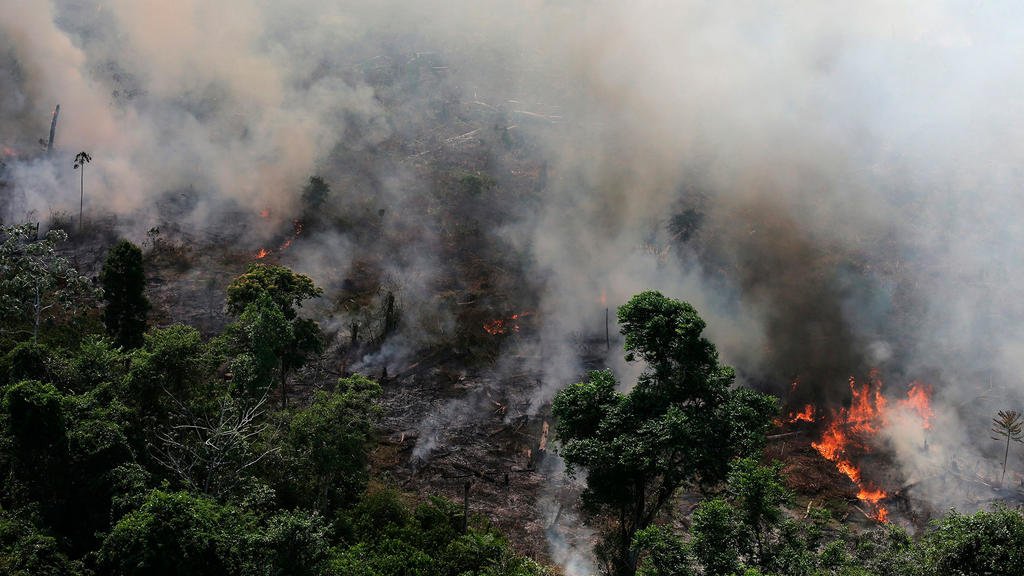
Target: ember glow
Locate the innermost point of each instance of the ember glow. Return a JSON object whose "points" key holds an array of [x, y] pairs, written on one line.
{"points": [[851, 430], [504, 325]]}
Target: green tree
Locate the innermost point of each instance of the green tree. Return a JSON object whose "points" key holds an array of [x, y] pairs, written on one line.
{"points": [[983, 543], [35, 281], [35, 453], [1008, 425], [26, 361], [315, 194], [167, 371], [286, 288], [262, 338], [662, 553], [888, 551], [262, 285], [81, 159], [328, 445], [293, 543], [759, 495], [681, 424], [25, 550], [716, 535], [124, 284], [176, 534]]}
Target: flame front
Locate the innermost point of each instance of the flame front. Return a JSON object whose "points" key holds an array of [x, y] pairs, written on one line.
{"points": [[263, 253], [849, 432], [852, 429]]}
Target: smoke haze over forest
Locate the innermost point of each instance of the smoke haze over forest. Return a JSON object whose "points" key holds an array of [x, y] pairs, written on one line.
{"points": [[835, 188]]}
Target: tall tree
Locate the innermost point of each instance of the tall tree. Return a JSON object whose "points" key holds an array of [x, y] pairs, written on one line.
{"points": [[315, 194], [124, 284], [264, 287], [681, 424], [35, 280], [1009, 425], [81, 159]]}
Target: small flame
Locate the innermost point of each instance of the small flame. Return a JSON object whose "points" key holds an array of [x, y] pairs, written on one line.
{"points": [[263, 253], [806, 415], [265, 213], [504, 325], [9, 153], [919, 399], [604, 298]]}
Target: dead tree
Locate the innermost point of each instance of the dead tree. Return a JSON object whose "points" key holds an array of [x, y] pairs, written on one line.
{"points": [[210, 452], [53, 129]]}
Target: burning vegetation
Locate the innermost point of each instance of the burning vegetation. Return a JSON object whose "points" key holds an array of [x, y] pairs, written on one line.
{"points": [[848, 435]]}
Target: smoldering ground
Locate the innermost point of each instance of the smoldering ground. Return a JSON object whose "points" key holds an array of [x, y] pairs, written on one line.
{"points": [[834, 187]]}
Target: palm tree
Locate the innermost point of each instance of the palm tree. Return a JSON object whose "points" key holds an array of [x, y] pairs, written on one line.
{"points": [[81, 159], [1009, 425]]}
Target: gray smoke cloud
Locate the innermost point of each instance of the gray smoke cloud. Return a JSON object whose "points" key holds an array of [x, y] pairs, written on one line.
{"points": [[834, 187]]}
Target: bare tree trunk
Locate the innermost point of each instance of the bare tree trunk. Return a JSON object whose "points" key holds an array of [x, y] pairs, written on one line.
{"points": [[35, 328], [1006, 455], [81, 200], [465, 507], [284, 387]]}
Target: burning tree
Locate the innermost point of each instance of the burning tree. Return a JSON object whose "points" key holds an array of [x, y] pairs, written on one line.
{"points": [[1009, 425], [681, 425]]}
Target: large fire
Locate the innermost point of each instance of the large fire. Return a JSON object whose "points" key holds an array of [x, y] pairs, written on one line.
{"points": [[851, 430]]}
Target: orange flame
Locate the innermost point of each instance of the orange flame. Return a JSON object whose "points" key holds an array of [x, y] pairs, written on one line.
{"points": [[9, 153], [604, 298], [504, 325], [851, 430], [919, 399], [263, 253], [806, 415], [849, 433]]}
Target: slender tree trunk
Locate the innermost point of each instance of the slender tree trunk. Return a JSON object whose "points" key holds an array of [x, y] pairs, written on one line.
{"points": [[1006, 455], [35, 328], [81, 200], [284, 389]]}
